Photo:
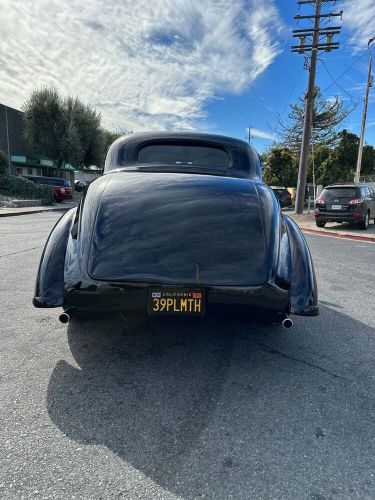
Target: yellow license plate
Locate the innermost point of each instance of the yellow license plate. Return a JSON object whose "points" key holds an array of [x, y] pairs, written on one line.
{"points": [[176, 301]]}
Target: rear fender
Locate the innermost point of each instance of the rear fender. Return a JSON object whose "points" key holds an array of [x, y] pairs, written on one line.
{"points": [[303, 287], [49, 287]]}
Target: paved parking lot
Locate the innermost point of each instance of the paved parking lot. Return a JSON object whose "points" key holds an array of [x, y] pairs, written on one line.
{"points": [[219, 408]]}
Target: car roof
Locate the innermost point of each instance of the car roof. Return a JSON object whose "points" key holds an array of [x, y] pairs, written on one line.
{"points": [[123, 152], [49, 178]]}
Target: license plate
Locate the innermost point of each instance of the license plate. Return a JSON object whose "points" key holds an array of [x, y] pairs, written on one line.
{"points": [[336, 207], [187, 301]]}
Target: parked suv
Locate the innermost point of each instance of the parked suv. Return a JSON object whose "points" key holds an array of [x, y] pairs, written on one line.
{"points": [[283, 195], [345, 203], [62, 189]]}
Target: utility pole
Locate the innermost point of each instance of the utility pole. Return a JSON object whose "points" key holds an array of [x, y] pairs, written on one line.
{"points": [[249, 138], [364, 116], [310, 41]]}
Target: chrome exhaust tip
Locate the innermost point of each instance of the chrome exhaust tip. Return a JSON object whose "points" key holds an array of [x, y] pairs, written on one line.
{"points": [[64, 317], [287, 323]]}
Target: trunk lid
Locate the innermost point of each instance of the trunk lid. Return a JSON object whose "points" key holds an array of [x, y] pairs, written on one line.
{"points": [[178, 228]]}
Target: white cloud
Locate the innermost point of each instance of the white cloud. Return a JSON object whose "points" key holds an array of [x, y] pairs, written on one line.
{"points": [[359, 17], [143, 65], [261, 134]]}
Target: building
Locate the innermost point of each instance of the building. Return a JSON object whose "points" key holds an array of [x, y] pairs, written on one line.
{"points": [[22, 159]]}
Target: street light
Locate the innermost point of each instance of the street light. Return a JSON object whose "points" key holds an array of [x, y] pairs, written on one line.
{"points": [[369, 84]]}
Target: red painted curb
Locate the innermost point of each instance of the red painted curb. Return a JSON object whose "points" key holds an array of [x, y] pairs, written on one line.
{"points": [[369, 239]]}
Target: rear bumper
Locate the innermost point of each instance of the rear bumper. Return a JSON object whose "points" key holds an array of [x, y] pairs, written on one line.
{"points": [[339, 217], [62, 196], [267, 299], [109, 296]]}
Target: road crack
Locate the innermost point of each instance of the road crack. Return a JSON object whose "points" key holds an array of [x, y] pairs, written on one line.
{"points": [[302, 361], [20, 251]]}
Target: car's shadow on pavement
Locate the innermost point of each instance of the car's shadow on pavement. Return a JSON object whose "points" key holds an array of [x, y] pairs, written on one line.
{"points": [[211, 407]]}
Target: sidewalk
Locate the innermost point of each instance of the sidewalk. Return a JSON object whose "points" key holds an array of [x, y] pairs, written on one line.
{"points": [[307, 223], [60, 207]]}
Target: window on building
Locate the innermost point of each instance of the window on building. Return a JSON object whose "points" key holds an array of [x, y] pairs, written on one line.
{"points": [[29, 171], [39, 171], [18, 170]]}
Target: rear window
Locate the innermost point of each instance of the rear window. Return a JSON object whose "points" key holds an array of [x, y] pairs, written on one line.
{"points": [[184, 154], [337, 193]]}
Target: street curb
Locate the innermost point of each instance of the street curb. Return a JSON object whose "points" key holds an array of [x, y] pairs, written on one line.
{"points": [[14, 214], [369, 239]]}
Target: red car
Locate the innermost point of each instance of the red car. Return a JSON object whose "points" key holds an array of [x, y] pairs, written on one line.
{"points": [[62, 189]]}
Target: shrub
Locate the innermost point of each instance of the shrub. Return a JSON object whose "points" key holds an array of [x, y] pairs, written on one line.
{"points": [[24, 189], [3, 162]]}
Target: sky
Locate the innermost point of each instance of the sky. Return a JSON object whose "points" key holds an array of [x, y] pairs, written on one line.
{"points": [[207, 65]]}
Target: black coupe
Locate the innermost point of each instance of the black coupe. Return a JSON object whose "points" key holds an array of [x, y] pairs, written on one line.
{"points": [[178, 224]]}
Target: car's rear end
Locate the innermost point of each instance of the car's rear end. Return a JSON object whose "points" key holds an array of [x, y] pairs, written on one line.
{"points": [[62, 190], [179, 224], [174, 243], [340, 203]]}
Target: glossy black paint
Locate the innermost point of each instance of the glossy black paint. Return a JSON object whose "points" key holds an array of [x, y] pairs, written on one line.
{"points": [[49, 287], [177, 225], [169, 227]]}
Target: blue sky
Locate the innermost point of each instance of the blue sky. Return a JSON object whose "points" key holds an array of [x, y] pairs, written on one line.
{"points": [[285, 80], [213, 65]]}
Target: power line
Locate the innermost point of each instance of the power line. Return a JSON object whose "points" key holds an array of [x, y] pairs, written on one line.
{"points": [[354, 104], [292, 92], [344, 72], [281, 116], [334, 81]]}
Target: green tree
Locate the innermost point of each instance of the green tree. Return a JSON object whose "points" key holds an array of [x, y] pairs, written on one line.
{"points": [[108, 138], [319, 154], [3, 162], [48, 128], [65, 130], [340, 165], [280, 167], [326, 117], [368, 160], [86, 123]]}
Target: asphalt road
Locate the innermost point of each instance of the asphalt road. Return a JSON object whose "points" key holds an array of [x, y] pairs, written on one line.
{"points": [[218, 408]]}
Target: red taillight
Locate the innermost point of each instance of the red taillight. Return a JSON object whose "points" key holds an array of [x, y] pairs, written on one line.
{"points": [[357, 201]]}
